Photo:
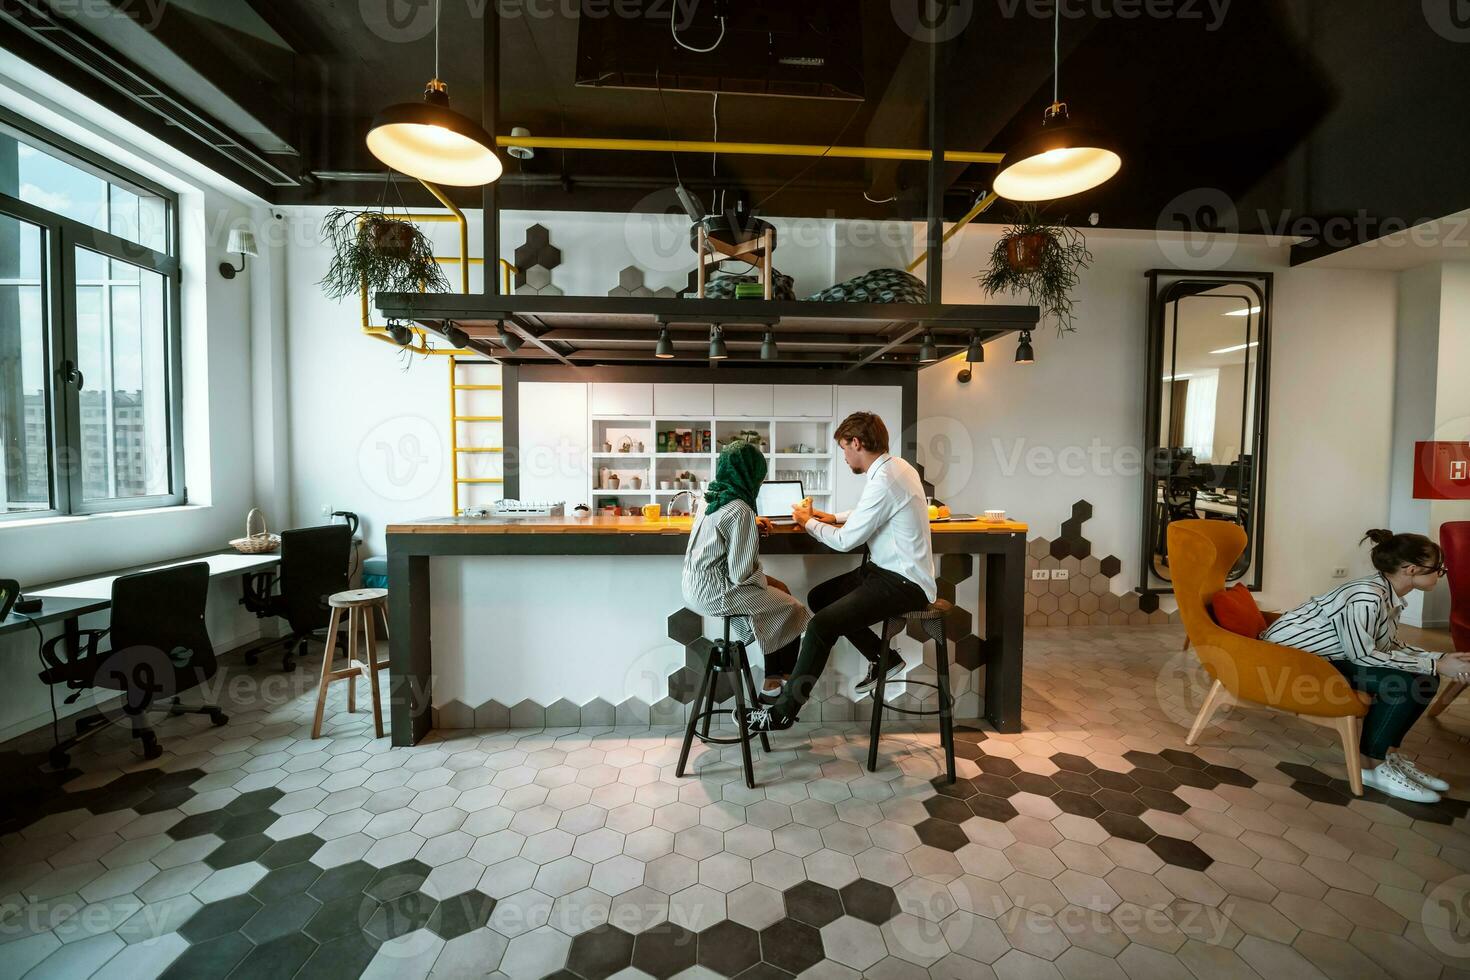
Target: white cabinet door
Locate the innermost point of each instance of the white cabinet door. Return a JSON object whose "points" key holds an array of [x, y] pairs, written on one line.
{"points": [[555, 464], [886, 401], [752, 400], [681, 400], [803, 400], [622, 398]]}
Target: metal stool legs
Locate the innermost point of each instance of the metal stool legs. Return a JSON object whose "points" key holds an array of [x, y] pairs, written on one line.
{"points": [[726, 657], [933, 627]]}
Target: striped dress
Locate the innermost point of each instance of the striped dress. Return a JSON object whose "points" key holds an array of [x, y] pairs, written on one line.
{"points": [[723, 577], [1354, 623]]}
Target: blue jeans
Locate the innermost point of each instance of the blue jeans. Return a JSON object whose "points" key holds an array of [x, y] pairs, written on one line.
{"points": [[1399, 698]]}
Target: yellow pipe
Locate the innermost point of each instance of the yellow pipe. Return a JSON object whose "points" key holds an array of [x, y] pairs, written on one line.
{"points": [[975, 212], [464, 233], [756, 149]]}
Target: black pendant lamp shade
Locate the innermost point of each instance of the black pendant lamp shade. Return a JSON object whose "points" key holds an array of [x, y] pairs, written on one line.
{"points": [[927, 351], [665, 348], [768, 347], [432, 142], [511, 341], [717, 349], [976, 352], [1024, 353], [1058, 160]]}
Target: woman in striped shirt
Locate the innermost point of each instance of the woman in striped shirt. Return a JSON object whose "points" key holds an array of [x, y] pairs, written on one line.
{"points": [[1355, 627]]}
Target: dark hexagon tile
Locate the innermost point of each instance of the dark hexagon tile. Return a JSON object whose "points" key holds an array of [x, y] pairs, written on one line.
{"points": [[397, 880], [992, 808], [1148, 602], [956, 567], [181, 779], [344, 880], [1075, 782], [685, 626], [293, 879], [790, 945], [947, 808], [238, 851], [1122, 782], [665, 949], [245, 824], [1126, 826], [278, 958], [253, 802], [213, 958], [1197, 778], [1322, 794], [960, 789], [1185, 854], [600, 952], [998, 766], [1146, 760], [968, 750], [813, 903], [341, 958], [1110, 566], [764, 971], [1076, 803], [870, 901], [197, 825], [218, 918], [401, 915], [1030, 782], [343, 916], [1073, 763], [1159, 800], [684, 684], [943, 834], [728, 948], [1156, 779], [968, 733], [464, 913], [1231, 777], [1305, 774], [969, 652], [280, 916], [1111, 799], [1185, 760], [167, 800], [1001, 787], [292, 850]]}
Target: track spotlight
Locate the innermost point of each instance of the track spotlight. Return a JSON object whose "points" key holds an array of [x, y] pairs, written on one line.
{"points": [[976, 352], [1024, 353], [768, 347], [717, 349], [457, 338], [510, 341], [665, 348], [928, 353]]}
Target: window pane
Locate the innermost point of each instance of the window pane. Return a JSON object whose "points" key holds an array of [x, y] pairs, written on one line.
{"points": [[123, 354], [25, 483], [47, 181]]}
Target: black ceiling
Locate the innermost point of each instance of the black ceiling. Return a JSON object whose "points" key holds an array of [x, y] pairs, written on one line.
{"points": [[1287, 109]]}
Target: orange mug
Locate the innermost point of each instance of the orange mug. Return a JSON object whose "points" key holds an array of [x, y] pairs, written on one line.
{"points": [[652, 512]]}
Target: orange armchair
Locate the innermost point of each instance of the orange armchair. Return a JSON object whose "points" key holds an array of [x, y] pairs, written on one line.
{"points": [[1200, 553]]}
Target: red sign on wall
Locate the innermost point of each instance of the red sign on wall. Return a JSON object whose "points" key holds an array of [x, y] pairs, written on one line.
{"points": [[1442, 471]]}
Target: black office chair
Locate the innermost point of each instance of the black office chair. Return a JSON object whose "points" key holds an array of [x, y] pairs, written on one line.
{"points": [[159, 648], [315, 564]]}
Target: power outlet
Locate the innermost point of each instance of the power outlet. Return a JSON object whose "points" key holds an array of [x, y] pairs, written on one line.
{"points": [[1040, 575], [1339, 572], [1060, 573]]}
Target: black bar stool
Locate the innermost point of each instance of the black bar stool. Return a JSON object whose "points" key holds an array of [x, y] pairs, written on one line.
{"points": [[726, 657], [930, 622]]}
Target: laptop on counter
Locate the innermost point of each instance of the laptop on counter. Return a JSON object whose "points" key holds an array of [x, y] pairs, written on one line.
{"points": [[775, 499]]}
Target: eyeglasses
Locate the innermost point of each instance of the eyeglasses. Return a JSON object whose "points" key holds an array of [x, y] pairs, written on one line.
{"points": [[1433, 570]]}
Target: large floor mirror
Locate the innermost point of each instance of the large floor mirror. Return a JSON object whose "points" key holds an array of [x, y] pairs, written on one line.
{"points": [[1208, 354]]}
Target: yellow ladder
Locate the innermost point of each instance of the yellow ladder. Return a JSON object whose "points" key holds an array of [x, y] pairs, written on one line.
{"points": [[455, 449]]}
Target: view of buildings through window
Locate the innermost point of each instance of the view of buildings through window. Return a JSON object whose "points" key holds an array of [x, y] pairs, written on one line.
{"points": [[121, 348]]}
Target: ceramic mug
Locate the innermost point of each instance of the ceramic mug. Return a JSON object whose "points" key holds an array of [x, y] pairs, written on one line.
{"points": [[652, 512], [665, 485]]}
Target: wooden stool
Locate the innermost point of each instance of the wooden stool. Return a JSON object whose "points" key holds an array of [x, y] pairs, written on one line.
{"points": [[930, 622], [359, 605]]}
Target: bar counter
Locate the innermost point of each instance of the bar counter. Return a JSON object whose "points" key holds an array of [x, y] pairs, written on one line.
{"points": [[996, 643]]}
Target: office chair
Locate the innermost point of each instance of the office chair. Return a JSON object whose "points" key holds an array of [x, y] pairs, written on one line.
{"points": [[1454, 538], [315, 564], [159, 648]]}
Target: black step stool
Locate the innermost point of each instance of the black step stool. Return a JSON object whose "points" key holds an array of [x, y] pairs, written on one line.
{"points": [[930, 622], [726, 656]]}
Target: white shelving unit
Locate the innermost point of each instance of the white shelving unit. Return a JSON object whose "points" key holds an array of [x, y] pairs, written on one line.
{"points": [[651, 469]]}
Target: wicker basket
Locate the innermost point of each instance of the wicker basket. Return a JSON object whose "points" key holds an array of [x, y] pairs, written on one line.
{"points": [[260, 542]]}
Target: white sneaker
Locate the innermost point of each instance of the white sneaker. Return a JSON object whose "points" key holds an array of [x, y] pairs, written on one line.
{"points": [[1418, 775], [1386, 778]]}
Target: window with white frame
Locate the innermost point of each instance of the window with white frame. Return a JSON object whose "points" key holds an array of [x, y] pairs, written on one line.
{"points": [[90, 392]]}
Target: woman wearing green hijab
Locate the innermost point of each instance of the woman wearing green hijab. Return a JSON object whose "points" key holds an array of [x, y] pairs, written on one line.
{"points": [[722, 568]]}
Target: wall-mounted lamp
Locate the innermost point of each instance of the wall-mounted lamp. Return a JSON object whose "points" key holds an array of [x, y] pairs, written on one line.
{"points": [[242, 241]]}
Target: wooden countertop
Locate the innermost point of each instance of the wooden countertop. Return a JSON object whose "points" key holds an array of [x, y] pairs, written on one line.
{"points": [[635, 525]]}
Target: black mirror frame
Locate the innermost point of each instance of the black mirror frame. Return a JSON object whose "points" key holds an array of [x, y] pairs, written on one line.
{"points": [[1165, 287]]}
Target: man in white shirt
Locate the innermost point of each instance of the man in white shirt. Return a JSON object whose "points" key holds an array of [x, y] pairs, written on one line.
{"points": [[892, 519]]}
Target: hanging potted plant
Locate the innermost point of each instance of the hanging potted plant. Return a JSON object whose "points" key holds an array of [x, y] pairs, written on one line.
{"points": [[1042, 259], [389, 254]]}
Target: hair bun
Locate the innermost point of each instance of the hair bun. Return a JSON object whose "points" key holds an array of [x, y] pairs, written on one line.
{"points": [[1378, 536]]}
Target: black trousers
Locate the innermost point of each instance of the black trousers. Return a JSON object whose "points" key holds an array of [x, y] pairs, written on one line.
{"points": [[782, 660], [847, 605], [1399, 698]]}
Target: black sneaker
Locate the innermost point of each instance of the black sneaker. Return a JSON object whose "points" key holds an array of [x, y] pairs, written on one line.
{"points": [[870, 679], [766, 720], [771, 697]]}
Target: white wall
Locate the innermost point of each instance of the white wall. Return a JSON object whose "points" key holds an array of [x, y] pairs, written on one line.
{"points": [[1034, 439]]}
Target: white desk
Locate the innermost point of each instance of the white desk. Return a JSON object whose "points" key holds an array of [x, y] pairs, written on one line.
{"points": [[226, 563]]}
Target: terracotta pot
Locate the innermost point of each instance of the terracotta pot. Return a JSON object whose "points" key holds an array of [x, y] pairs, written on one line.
{"points": [[1024, 251], [393, 239]]}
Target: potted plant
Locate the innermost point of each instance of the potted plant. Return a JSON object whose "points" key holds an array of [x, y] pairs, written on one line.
{"points": [[389, 254], [1042, 259]]}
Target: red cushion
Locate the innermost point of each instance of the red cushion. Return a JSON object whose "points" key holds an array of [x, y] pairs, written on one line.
{"points": [[1235, 609]]}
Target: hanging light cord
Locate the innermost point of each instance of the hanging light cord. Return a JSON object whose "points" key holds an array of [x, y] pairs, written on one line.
{"points": [[674, 31], [436, 37], [1056, 58]]}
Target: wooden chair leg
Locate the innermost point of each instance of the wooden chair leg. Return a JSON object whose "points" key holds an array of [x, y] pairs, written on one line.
{"points": [[1205, 711], [354, 651], [1349, 729], [371, 639], [321, 694], [1448, 691], [1186, 643]]}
